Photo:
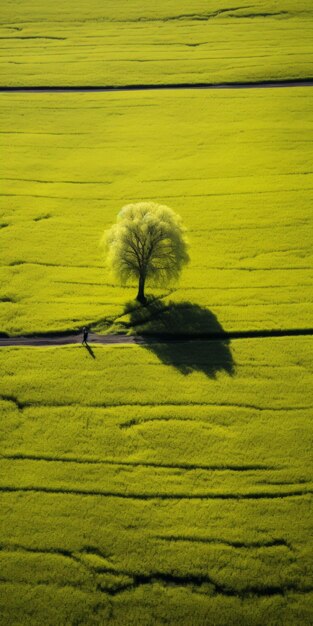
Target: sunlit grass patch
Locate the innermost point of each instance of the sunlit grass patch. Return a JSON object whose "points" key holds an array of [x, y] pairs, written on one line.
{"points": [[237, 170], [168, 42], [130, 488]]}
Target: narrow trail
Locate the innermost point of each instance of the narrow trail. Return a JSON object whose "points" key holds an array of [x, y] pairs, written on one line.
{"points": [[111, 88], [63, 339]]}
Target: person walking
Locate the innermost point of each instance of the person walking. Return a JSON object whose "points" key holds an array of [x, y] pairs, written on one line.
{"points": [[85, 335]]}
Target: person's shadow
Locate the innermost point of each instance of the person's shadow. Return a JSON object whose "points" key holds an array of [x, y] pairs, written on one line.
{"points": [[191, 337], [90, 350]]}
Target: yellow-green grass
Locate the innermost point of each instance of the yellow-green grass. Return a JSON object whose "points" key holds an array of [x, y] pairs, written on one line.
{"points": [[134, 493], [237, 166], [166, 42]]}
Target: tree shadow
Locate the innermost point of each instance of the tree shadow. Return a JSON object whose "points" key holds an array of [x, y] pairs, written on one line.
{"points": [[184, 335]]}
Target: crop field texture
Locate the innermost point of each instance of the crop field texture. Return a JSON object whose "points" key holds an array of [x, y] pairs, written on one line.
{"points": [[236, 165], [190, 507], [168, 482], [134, 42]]}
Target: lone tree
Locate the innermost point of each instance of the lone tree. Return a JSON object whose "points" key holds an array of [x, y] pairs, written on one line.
{"points": [[147, 242]]}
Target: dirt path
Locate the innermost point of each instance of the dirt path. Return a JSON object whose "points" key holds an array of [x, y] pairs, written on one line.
{"points": [[63, 340], [90, 89], [55, 339]]}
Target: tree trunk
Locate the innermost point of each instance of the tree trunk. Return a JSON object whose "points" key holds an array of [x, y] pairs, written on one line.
{"points": [[141, 290]]}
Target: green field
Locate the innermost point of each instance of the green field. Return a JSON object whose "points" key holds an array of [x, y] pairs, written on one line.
{"points": [[161, 483], [188, 508], [132, 42], [238, 171]]}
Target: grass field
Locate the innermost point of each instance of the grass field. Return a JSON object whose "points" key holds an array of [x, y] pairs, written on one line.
{"points": [[168, 483], [189, 508], [135, 42], [238, 170]]}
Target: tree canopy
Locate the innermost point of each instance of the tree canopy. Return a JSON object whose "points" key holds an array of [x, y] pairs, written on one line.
{"points": [[147, 243]]}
